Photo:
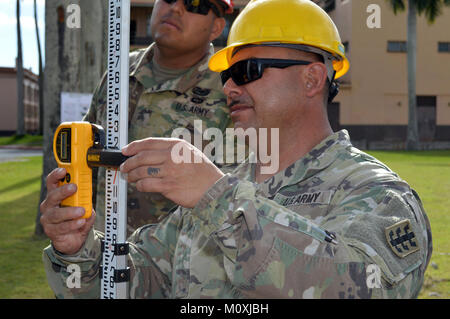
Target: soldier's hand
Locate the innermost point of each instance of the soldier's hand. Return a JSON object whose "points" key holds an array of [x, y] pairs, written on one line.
{"points": [[63, 225], [156, 165]]}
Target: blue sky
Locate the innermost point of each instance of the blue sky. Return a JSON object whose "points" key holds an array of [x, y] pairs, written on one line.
{"points": [[8, 33]]}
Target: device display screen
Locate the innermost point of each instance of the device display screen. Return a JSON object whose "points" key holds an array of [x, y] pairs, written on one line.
{"points": [[63, 144]]}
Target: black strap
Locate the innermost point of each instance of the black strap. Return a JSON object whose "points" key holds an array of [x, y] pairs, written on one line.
{"points": [[333, 89]]}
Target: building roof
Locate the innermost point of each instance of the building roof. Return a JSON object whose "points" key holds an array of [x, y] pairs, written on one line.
{"points": [[27, 73]]}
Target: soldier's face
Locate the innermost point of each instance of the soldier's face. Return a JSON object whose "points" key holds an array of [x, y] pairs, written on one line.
{"points": [[174, 27], [271, 101]]}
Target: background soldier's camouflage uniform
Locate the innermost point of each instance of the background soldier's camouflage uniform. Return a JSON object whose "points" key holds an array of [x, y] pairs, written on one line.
{"points": [[310, 231], [155, 110]]}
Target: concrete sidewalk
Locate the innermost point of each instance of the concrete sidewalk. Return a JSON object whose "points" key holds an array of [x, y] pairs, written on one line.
{"points": [[21, 147], [16, 153]]}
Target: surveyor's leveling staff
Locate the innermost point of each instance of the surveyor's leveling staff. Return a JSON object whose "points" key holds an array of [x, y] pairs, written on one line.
{"points": [[80, 146], [115, 274]]}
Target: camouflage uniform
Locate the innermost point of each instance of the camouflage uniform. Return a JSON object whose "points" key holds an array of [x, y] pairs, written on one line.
{"points": [[156, 109], [311, 231]]}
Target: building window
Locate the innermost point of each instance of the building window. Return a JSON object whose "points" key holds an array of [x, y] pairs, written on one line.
{"points": [[347, 47], [327, 5], [133, 30], [149, 21], [330, 5], [396, 46], [444, 47]]}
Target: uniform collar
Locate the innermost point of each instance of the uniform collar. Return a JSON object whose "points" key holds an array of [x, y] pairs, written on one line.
{"points": [[144, 74], [318, 159]]}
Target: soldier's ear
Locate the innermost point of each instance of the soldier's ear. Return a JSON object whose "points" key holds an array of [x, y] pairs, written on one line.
{"points": [[218, 26], [315, 79]]}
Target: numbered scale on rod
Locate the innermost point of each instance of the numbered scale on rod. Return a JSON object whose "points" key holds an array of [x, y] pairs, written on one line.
{"points": [[115, 274]]}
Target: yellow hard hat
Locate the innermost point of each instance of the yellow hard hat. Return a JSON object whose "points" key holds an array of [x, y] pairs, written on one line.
{"points": [[283, 21]]}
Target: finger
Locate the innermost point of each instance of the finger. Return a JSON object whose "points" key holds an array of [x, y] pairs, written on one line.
{"points": [[65, 228], [57, 195], [54, 177], [151, 143], [151, 185], [145, 158], [62, 214], [144, 172], [77, 225]]}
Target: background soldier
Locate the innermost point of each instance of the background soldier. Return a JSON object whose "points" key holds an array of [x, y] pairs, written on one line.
{"points": [[170, 87]]}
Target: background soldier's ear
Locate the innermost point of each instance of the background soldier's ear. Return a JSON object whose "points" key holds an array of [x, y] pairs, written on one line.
{"points": [[218, 26]]}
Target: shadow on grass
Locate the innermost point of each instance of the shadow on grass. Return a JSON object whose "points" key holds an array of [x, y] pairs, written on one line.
{"points": [[20, 184], [22, 140]]}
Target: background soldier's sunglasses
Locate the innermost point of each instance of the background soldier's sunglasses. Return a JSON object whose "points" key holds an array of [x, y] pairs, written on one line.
{"points": [[198, 6], [246, 71]]}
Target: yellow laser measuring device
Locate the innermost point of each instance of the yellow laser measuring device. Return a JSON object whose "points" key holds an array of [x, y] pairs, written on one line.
{"points": [[77, 147]]}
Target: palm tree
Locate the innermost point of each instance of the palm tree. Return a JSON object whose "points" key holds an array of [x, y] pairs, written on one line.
{"points": [[432, 9], [41, 75], [19, 65]]}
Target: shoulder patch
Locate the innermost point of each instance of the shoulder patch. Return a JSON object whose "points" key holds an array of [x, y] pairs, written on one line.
{"points": [[401, 238]]}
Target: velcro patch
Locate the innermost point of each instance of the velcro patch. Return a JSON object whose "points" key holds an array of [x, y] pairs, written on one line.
{"points": [[401, 238]]}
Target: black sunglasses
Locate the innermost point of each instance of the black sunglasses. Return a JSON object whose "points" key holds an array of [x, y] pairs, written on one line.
{"points": [[198, 6], [246, 71]]}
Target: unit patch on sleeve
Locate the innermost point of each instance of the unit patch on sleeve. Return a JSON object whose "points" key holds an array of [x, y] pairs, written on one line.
{"points": [[401, 238]]}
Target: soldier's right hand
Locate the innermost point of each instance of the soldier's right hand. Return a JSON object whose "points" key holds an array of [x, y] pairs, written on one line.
{"points": [[63, 225]]}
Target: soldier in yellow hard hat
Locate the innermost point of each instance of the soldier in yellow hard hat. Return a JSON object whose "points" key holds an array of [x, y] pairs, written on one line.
{"points": [[330, 222]]}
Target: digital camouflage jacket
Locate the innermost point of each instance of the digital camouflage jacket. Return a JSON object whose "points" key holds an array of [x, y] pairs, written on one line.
{"points": [[337, 223]]}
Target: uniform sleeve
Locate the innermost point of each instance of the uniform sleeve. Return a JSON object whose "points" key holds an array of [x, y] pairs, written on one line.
{"points": [[75, 276], [273, 252], [150, 262]]}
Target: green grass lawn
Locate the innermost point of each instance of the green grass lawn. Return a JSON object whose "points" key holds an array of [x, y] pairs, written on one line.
{"points": [[30, 140], [20, 252]]}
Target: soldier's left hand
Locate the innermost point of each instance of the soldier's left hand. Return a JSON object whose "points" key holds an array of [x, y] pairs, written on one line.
{"points": [[172, 167]]}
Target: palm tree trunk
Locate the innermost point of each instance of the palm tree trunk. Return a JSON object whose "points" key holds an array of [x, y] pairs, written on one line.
{"points": [[41, 75], [412, 140], [19, 65]]}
